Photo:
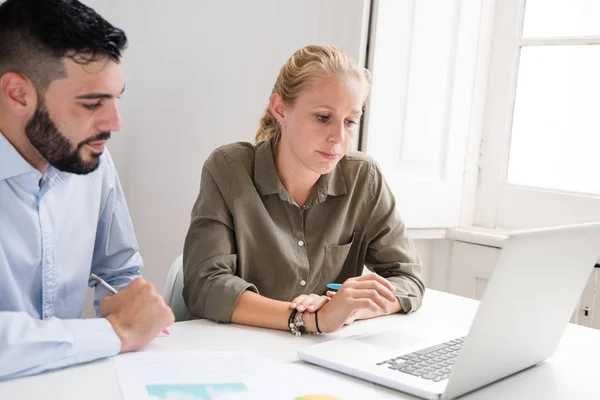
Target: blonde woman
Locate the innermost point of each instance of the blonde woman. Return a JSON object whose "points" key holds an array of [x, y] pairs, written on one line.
{"points": [[276, 221]]}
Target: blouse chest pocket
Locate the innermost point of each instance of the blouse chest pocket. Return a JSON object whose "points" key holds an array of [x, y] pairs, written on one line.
{"points": [[335, 255]]}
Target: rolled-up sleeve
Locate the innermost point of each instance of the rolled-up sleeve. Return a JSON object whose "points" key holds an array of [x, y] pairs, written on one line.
{"points": [[211, 287], [391, 253]]}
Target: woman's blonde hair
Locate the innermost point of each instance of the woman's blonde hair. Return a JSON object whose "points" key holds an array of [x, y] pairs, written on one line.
{"points": [[294, 78]]}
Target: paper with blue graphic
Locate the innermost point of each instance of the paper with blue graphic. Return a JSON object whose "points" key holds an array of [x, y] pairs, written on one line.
{"points": [[232, 375], [190, 375]]}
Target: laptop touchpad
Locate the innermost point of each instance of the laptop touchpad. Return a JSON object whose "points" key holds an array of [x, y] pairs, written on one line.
{"points": [[388, 339]]}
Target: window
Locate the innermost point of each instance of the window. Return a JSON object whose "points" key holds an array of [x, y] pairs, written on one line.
{"points": [[540, 154], [424, 56]]}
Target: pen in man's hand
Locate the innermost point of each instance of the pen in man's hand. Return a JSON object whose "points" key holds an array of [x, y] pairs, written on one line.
{"points": [[114, 291], [337, 286]]}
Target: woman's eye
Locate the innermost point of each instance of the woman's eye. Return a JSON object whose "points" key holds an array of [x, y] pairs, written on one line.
{"points": [[322, 118], [352, 122]]}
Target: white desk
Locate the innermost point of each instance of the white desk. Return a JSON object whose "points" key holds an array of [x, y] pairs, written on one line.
{"points": [[571, 374]]}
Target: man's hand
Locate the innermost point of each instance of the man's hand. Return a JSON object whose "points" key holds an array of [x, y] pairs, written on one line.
{"points": [[363, 297], [137, 313]]}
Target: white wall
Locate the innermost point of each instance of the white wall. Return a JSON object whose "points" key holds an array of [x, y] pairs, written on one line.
{"points": [[198, 75]]}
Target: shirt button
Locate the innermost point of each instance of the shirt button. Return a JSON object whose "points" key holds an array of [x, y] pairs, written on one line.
{"points": [[32, 175], [300, 243], [302, 282]]}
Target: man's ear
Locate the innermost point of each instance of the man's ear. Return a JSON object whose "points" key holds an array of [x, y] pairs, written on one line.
{"points": [[19, 93], [277, 108]]}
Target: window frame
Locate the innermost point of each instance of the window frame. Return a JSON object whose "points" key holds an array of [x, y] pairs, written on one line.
{"points": [[498, 203]]}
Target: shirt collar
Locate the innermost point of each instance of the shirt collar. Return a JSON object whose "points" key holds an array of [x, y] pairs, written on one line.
{"points": [[334, 183], [11, 162], [265, 173], [267, 181]]}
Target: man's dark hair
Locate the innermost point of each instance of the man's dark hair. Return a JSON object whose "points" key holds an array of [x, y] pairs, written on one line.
{"points": [[36, 35]]}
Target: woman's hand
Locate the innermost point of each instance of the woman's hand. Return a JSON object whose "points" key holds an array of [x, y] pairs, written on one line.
{"points": [[309, 302], [363, 297]]}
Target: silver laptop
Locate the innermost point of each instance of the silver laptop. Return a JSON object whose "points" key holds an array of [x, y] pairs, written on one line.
{"points": [[526, 306]]}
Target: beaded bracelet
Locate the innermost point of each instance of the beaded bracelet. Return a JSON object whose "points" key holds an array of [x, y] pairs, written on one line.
{"points": [[296, 324], [291, 322]]}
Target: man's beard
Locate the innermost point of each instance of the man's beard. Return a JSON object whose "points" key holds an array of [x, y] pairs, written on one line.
{"points": [[56, 148]]}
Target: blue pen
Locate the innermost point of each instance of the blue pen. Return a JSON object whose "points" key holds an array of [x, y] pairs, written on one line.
{"points": [[337, 286]]}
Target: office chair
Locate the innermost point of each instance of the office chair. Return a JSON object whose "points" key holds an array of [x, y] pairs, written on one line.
{"points": [[173, 290]]}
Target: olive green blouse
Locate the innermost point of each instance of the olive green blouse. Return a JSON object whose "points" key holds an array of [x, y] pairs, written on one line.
{"points": [[247, 233]]}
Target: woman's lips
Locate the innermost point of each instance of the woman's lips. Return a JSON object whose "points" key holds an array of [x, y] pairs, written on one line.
{"points": [[329, 156]]}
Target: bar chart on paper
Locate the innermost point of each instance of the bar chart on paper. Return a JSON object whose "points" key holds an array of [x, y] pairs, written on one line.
{"points": [[229, 375], [223, 391], [209, 391], [186, 375], [317, 397]]}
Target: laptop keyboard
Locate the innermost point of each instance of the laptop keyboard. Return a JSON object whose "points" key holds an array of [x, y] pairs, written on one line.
{"points": [[433, 363]]}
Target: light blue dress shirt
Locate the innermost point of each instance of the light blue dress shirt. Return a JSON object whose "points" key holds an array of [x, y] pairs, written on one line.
{"points": [[56, 229]]}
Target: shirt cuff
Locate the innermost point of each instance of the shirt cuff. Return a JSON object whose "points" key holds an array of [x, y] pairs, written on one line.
{"points": [[93, 338], [408, 304], [405, 285]]}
